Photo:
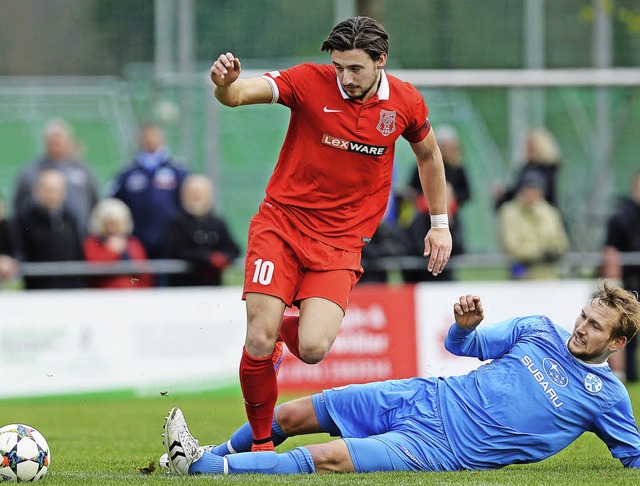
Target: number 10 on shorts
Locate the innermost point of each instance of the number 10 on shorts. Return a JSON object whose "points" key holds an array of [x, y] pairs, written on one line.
{"points": [[264, 271]]}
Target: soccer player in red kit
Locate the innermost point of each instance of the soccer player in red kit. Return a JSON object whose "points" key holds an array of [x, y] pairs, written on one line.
{"points": [[326, 196]]}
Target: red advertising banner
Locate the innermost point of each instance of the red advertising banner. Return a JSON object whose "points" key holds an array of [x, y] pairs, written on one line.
{"points": [[377, 341]]}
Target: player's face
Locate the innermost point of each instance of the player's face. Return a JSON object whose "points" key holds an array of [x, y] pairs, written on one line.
{"points": [[358, 73], [591, 338]]}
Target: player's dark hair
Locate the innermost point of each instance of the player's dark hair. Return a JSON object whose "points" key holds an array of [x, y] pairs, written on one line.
{"points": [[626, 304], [358, 33]]}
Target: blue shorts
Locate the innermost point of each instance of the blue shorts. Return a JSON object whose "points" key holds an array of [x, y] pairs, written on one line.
{"points": [[390, 426]]}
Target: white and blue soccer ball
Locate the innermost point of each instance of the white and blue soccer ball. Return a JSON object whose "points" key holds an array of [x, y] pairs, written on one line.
{"points": [[24, 454]]}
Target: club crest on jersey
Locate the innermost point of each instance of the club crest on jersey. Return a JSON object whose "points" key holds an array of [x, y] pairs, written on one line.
{"points": [[592, 383], [350, 146], [387, 123]]}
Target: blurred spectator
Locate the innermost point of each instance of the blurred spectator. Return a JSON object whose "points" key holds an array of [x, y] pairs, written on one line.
{"points": [[60, 152], [623, 235], [415, 237], [389, 240], [454, 170], [47, 231], [199, 236], [543, 158], [110, 240], [9, 265], [531, 231], [150, 187], [458, 193]]}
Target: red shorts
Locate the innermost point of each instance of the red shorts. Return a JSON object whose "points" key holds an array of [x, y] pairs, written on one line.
{"points": [[284, 262]]}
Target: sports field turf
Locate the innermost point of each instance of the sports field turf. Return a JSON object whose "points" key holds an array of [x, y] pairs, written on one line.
{"points": [[116, 440]]}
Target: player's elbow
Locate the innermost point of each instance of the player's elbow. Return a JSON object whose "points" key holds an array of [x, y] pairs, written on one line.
{"points": [[224, 98], [228, 102], [454, 348]]}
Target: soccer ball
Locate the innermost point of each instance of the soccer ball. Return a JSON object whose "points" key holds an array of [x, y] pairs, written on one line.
{"points": [[24, 454]]}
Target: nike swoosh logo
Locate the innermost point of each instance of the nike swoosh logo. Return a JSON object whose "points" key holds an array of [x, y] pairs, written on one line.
{"points": [[328, 110]]}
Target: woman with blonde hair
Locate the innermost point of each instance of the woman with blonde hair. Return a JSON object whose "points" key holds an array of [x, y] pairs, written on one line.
{"points": [[543, 158], [110, 240]]}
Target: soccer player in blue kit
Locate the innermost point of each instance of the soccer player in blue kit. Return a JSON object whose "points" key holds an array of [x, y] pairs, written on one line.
{"points": [[541, 390]]}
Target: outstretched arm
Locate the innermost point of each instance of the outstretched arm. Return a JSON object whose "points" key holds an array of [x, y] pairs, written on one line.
{"points": [[464, 339], [617, 428], [468, 312], [230, 90], [437, 243]]}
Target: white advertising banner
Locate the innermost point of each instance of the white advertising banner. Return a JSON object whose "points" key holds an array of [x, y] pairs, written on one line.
{"points": [[560, 300], [59, 342], [163, 340]]}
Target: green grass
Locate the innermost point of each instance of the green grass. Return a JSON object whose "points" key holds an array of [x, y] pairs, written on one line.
{"points": [[105, 440]]}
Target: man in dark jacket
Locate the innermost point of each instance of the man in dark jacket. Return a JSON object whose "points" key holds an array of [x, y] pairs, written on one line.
{"points": [[48, 232], [9, 265], [199, 236], [61, 153], [623, 236]]}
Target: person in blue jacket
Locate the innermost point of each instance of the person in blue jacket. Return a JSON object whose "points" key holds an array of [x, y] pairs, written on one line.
{"points": [[150, 187], [542, 388]]}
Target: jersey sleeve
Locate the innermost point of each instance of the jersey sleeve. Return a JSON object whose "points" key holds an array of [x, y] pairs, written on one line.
{"points": [[418, 125], [288, 85], [487, 342], [618, 430]]}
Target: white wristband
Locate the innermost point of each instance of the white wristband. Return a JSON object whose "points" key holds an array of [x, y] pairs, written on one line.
{"points": [[439, 221]]}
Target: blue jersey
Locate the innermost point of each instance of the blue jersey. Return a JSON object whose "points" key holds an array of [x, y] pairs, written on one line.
{"points": [[533, 399]]}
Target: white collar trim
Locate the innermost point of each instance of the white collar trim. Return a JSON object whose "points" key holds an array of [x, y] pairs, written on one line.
{"points": [[383, 89]]}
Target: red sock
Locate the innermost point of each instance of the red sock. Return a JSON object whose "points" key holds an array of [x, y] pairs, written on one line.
{"points": [[289, 334], [260, 392]]}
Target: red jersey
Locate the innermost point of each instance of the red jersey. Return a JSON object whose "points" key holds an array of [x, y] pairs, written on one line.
{"points": [[333, 175]]}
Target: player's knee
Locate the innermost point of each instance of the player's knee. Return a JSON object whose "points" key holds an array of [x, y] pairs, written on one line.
{"points": [[314, 353], [290, 417], [259, 343]]}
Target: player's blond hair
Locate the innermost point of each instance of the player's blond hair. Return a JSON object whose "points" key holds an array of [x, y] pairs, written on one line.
{"points": [[626, 304]]}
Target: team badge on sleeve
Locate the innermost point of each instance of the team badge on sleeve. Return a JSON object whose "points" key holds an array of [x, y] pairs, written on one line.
{"points": [[387, 123], [592, 383]]}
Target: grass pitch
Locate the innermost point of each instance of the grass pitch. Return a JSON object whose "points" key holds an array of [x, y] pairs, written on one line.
{"points": [[108, 440]]}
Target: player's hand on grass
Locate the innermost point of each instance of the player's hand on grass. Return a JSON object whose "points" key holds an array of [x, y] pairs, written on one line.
{"points": [[468, 312], [225, 70], [437, 246]]}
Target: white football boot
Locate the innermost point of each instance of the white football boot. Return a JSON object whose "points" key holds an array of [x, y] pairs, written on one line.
{"points": [[163, 462], [182, 448]]}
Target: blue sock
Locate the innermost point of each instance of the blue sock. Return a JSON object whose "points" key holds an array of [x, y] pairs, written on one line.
{"points": [[278, 436], [296, 461], [243, 437], [208, 464], [292, 462]]}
